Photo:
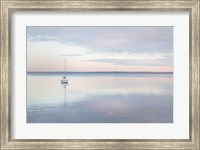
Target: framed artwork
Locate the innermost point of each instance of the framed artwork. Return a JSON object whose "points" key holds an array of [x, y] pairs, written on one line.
{"points": [[99, 74], [105, 69]]}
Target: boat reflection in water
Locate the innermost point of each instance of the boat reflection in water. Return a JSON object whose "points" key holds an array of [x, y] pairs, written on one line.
{"points": [[64, 85]]}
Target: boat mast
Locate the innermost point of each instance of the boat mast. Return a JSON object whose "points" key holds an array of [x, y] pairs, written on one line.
{"points": [[65, 67]]}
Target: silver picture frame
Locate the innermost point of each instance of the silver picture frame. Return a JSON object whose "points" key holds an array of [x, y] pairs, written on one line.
{"points": [[10, 6]]}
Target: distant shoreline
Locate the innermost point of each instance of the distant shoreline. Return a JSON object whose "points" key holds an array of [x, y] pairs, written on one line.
{"points": [[106, 72]]}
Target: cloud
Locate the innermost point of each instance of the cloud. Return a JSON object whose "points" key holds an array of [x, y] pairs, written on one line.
{"points": [[95, 47], [70, 55], [147, 59], [54, 48], [108, 39], [41, 38], [132, 62]]}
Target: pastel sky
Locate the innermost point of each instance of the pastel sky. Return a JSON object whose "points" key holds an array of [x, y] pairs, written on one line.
{"points": [[100, 49]]}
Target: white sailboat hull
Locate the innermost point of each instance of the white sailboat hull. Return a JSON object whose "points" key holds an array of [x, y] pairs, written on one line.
{"points": [[64, 81]]}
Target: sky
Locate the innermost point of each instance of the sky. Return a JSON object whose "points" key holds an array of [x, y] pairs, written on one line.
{"points": [[90, 49]]}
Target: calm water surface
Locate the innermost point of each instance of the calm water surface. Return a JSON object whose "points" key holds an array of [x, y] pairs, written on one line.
{"points": [[100, 98]]}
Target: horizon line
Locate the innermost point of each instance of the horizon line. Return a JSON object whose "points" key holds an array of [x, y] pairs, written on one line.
{"points": [[99, 72]]}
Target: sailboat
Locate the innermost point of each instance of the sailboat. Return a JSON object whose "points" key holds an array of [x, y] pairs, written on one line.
{"points": [[64, 80]]}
